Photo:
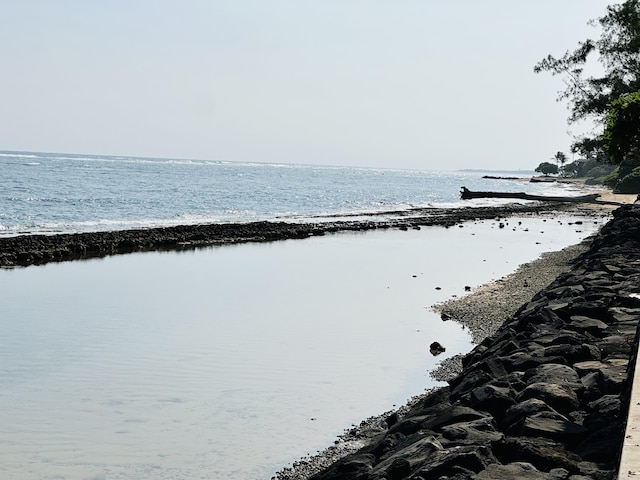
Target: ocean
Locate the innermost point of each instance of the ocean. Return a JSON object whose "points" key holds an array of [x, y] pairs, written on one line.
{"points": [[61, 193], [228, 362]]}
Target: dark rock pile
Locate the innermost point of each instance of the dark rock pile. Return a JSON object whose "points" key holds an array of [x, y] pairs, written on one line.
{"points": [[26, 250], [545, 397]]}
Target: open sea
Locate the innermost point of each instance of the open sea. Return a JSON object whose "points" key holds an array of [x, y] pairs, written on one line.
{"points": [[53, 193], [229, 362]]}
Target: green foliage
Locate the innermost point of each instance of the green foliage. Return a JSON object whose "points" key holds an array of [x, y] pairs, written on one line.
{"points": [[570, 170], [627, 166], [588, 165], [622, 129], [609, 180], [618, 51], [629, 183], [590, 148], [625, 178], [600, 170], [593, 171], [547, 168]]}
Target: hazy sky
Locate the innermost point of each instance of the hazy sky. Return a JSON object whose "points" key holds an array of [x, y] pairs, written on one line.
{"points": [[428, 84]]}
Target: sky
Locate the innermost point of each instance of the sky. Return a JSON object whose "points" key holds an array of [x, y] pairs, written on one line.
{"points": [[421, 84]]}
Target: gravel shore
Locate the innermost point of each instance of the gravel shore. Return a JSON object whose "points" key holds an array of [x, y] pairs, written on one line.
{"points": [[485, 310]]}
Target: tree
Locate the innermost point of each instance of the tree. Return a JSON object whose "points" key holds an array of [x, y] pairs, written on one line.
{"points": [[618, 50], [547, 169], [622, 129], [560, 158], [571, 170]]}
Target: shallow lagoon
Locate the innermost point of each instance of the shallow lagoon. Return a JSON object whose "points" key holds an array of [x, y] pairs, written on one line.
{"points": [[232, 362]]}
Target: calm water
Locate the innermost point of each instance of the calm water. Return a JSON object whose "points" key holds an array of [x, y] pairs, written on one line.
{"points": [[232, 362], [45, 193]]}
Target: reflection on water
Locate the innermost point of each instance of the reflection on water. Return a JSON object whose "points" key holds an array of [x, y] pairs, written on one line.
{"points": [[231, 362]]}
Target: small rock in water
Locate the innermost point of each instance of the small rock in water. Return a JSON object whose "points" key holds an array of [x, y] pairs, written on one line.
{"points": [[467, 288], [436, 349]]}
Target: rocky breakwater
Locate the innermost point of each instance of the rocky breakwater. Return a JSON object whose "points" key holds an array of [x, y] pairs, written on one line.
{"points": [[545, 397], [24, 250]]}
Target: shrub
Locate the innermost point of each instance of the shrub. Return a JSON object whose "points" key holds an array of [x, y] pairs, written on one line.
{"points": [[630, 183], [609, 180]]}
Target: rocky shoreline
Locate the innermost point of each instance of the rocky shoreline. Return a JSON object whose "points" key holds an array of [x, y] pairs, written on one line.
{"points": [[544, 397], [486, 309], [24, 250]]}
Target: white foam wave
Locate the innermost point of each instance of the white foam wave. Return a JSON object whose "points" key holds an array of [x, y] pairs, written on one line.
{"points": [[19, 155]]}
